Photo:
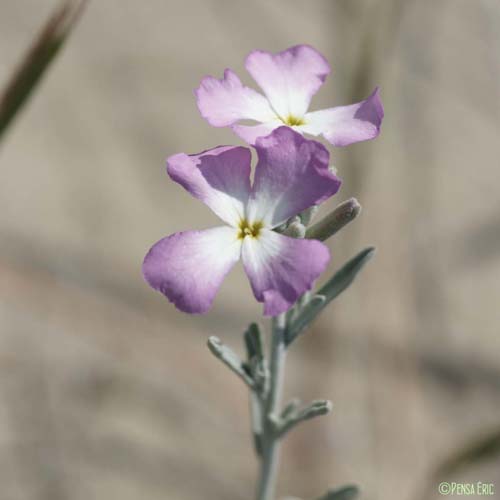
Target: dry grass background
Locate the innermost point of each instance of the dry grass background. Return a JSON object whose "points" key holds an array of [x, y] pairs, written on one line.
{"points": [[107, 392]]}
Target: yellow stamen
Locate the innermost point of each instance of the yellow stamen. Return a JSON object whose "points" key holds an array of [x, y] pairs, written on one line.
{"points": [[247, 229], [294, 121]]}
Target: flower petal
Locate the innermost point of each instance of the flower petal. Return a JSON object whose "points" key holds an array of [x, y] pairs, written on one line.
{"points": [[281, 269], [345, 125], [189, 267], [223, 102], [291, 175], [250, 133], [289, 78], [219, 177]]}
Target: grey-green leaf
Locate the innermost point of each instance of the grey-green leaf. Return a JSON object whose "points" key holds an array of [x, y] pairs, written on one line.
{"points": [[332, 289], [254, 342], [345, 275], [230, 359]]}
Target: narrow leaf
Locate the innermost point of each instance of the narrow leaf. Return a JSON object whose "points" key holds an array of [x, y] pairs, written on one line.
{"points": [[38, 59], [294, 416], [345, 276], [332, 289], [230, 359], [254, 342]]}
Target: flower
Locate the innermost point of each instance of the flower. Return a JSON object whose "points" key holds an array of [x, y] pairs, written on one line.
{"points": [[291, 175], [289, 79]]}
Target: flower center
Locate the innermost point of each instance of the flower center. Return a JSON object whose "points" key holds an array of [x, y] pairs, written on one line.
{"points": [[246, 229], [292, 121]]}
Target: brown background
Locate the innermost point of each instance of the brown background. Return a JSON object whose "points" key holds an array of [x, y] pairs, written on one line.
{"points": [[107, 392]]}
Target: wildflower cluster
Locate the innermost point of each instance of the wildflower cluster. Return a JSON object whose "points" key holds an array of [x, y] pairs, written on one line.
{"points": [[291, 175], [265, 225]]}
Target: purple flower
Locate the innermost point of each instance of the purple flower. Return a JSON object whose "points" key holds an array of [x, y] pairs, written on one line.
{"points": [[289, 79], [291, 175]]}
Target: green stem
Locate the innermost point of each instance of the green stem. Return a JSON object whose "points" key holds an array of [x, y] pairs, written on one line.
{"points": [[270, 438]]}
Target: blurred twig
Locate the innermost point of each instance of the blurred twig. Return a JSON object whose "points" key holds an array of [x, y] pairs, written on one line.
{"points": [[481, 449], [38, 58], [478, 450], [344, 493]]}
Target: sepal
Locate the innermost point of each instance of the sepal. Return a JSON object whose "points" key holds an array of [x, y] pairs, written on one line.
{"points": [[333, 222]]}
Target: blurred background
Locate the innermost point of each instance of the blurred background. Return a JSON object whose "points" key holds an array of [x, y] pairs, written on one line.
{"points": [[108, 392]]}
